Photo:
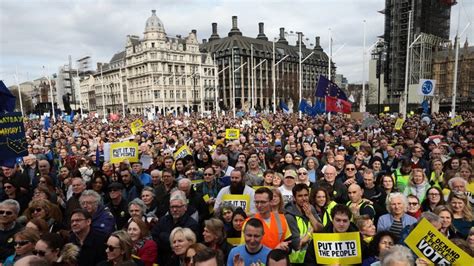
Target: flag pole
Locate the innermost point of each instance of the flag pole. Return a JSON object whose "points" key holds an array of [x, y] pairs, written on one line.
{"points": [[362, 101], [52, 98], [19, 90]]}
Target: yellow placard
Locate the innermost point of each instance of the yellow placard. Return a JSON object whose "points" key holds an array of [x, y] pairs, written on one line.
{"points": [[386, 109], [427, 242], [456, 121], [399, 123], [136, 125], [126, 150], [235, 241], [182, 152], [356, 144], [232, 133], [337, 248], [266, 125], [242, 201]]}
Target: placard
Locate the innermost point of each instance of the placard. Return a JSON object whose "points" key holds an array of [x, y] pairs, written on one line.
{"points": [[12, 136], [242, 201], [399, 123], [136, 125], [427, 242], [120, 151], [232, 133], [182, 152], [456, 121], [337, 248]]}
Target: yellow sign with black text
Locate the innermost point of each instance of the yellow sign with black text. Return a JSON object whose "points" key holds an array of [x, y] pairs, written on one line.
{"points": [[427, 242], [135, 126], [232, 133], [182, 152], [126, 150], [242, 201], [337, 248], [456, 121], [399, 123]]}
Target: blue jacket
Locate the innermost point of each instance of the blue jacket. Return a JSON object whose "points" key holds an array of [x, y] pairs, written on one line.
{"points": [[103, 221], [386, 221]]}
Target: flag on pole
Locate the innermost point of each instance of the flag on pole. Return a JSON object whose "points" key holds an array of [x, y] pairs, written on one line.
{"points": [[338, 105], [47, 123], [326, 87], [425, 106], [284, 107], [7, 99]]}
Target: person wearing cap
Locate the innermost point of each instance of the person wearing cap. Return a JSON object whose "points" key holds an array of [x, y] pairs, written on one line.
{"points": [[297, 160], [289, 182], [118, 205]]}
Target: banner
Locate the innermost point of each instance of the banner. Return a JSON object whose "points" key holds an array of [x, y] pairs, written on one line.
{"points": [[456, 121], [232, 133], [182, 152], [12, 136], [427, 242], [337, 248], [135, 126], [120, 151], [242, 201], [426, 87], [399, 123]]}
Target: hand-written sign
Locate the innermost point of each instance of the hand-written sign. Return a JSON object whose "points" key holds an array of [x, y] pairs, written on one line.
{"points": [[337, 248], [124, 151], [242, 201], [12, 136], [427, 242], [232, 133]]}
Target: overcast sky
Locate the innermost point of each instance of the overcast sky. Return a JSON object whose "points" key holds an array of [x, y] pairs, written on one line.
{"points": [[37, 33]]}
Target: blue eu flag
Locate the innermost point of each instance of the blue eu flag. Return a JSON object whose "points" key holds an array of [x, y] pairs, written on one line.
{"points": [[7, 99], [326, 87]]}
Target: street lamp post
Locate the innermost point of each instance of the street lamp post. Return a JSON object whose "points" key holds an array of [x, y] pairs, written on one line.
{"points": [[233, 81], [274, 64]]}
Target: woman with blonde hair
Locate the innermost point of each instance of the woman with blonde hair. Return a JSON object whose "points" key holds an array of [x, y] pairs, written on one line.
{"points": [[417, 185], [462, 213], [47, 211], [181, 239], [119, 248], [215, 236], [447, 218], [24, 243]]}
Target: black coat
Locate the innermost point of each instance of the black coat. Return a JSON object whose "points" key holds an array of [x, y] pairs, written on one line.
{"points": [[93, 250]]}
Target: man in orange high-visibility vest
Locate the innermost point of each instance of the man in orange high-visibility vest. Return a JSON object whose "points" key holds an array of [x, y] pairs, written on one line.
{"points": [[276, 231]]}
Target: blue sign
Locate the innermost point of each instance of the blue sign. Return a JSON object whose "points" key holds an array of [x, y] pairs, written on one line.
{"points": [[427, 87], [12, 136]]}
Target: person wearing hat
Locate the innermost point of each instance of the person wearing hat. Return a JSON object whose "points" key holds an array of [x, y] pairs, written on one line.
{"points": [[289, 182], [118, 206]]}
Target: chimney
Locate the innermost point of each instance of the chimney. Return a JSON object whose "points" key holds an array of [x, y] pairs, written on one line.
{"points": [[282, 37], [298, 41], [235, 30], [204, 41], [214, 35], [194, 31], [261, 32], [317, 44]]}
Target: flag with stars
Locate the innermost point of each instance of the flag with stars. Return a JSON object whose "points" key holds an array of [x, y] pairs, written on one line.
{"points": [[325, 87]]}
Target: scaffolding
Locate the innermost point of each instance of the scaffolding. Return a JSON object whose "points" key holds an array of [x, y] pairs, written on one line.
{"points": [[421, 56]]}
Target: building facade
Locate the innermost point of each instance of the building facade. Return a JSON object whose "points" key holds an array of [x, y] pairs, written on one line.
{"points": [[443, 73], [429, 27], [244, 65]]}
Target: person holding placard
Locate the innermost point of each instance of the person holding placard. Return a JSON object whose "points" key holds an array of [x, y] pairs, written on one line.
{"points": [[237, 187]]}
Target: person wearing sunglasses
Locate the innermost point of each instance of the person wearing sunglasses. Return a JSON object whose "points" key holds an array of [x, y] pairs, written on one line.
{"points": [[12, 190], [51, 248], [49, 212], [9, 210], [119, 249], [24, 243]]}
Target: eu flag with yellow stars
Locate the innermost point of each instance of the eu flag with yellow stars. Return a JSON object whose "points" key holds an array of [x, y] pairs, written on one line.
{"points": [[326, 87]]}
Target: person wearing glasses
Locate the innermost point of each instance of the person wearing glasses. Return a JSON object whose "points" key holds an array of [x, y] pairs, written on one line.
{"points": [[119, 248], [9, 210], [177, 217], [12, 190], [43, 209], [192, 251], [51, 247], [303, 177], [24, 243], [91, 242], [102, 219]]}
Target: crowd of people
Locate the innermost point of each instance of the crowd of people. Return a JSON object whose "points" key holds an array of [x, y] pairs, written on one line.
{"points": [[65, 204]]}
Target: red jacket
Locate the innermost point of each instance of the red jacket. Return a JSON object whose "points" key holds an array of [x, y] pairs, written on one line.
{"points": [[148, 253]]}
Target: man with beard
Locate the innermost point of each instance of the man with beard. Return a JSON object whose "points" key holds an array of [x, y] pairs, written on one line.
{"points": [[237, 187]]}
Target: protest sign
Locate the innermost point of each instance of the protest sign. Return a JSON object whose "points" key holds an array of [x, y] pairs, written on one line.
{"points": [[368, 122], [427, 242], [242, 201], [12, 136], [120, 151], [135, 126], [182, 152], [337, 248], [456, 121], [386, 108], [399, 123], [232, 133], [266, 125]]}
